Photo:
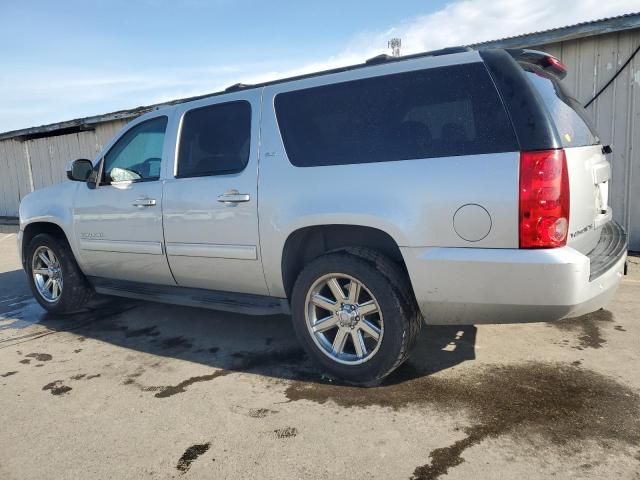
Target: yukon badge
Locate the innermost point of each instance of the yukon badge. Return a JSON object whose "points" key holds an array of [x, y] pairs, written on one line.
{"points": [[91, 235]]}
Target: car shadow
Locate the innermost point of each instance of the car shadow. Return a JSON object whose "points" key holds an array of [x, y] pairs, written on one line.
{"points": [[261, 345]]}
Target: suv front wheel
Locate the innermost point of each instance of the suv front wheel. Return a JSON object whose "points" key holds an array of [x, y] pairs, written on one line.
{"points": [[354, 315], [54, 276]]}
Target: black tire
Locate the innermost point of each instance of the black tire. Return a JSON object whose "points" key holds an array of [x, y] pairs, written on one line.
{"points": [[76, 291], [392, 290]]}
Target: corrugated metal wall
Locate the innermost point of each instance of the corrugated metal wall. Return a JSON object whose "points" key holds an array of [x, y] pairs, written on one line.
{"points": [[591, 62], [32, 164]]}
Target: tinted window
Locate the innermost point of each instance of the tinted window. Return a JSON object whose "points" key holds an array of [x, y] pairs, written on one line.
{"points": [[429, 113], [571, 121], [215, 140], [138, 154]]}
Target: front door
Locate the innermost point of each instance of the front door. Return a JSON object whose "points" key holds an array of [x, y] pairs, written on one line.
{"points": [[118, 224], [210, 202]]}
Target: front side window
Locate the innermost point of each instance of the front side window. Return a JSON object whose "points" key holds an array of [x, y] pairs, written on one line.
{"points": [[215, 140], [137, 156], [438, 112]]}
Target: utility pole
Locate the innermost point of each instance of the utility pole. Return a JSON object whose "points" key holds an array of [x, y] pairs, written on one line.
{"points": [[394, 44]]}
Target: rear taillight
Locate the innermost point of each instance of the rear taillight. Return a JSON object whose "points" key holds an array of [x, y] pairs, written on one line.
{"points": [[544, 199]]}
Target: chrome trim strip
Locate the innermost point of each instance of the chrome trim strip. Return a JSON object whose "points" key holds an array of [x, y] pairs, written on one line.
{"points": [[122, 246], [209, 250]]}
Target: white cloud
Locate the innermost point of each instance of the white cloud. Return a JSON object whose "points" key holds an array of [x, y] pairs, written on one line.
{"points": [[473, 21], [35, 97], [463, 23]]}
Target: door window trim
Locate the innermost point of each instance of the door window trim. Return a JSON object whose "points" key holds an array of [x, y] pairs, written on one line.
{"points": [[100, 164], [176, 163]]}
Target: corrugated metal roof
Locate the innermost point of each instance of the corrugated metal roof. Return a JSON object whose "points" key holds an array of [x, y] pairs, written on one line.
{"points": [[601, 26], [569, 32]]}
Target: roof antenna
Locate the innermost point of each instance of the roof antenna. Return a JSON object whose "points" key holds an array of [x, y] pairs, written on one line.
{"points": [[394, 44]]}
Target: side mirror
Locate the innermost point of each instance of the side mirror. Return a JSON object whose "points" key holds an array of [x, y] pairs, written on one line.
{"points": [[79, 170]]}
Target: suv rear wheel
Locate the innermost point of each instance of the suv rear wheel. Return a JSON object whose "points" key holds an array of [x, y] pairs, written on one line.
{"points": [[352, 316], [54, 276]]}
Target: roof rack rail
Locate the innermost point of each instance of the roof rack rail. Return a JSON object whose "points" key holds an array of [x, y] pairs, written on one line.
{"points": [[449, 50], [237, 86], [379, 59], [382, 58]]}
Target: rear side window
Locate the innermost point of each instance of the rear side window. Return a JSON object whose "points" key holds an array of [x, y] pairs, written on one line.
{"points": [[573, 125], [215, 140], [438, 112]]}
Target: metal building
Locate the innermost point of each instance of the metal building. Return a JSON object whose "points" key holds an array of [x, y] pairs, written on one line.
{"points": [[600, 55]]}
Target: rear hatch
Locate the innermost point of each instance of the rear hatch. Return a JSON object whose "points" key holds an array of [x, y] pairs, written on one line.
{"points": [[589, 170]]}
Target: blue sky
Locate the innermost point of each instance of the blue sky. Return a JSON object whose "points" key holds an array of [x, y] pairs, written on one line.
{"points": [[67, 59]]}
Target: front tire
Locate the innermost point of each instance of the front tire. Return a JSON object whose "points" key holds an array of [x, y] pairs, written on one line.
{"points": [[54, 276], [353, 316]]}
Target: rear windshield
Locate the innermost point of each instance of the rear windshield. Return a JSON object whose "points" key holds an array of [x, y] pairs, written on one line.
{"points": [[438, 112], [571, 120]]}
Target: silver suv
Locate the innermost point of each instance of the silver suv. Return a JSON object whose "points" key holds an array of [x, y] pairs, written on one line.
{"points": [[450, 187]]}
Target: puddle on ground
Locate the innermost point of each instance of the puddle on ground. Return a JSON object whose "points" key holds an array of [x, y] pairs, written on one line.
{"points": [[57, 388], [191, 454], [559, 402], [40, 357], [589, 327]]}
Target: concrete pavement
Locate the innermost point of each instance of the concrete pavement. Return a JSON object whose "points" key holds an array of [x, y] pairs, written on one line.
{"points": [[143, 390]]}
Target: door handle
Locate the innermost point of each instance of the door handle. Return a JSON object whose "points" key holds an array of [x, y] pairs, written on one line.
{"points": [[144, 202], [232, 197]]}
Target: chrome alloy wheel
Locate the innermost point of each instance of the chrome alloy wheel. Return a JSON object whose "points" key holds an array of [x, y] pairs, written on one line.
{"points": [[47, 274], [344, 319]]}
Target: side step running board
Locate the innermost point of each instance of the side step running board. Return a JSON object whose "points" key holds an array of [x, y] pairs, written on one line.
{"points": [[193, 297]]}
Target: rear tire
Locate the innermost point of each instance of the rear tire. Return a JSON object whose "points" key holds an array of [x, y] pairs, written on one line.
{"points": [[54, 276], [359, 337]]}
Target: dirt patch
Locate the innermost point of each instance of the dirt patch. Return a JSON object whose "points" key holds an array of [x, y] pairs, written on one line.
{"points": [[41, 357], [169, 391], [588, 326], [97, 375], [57, 388], [559, 402], [286, 432], [260, 412], [190, 455], [8, 374], [620, 328], [25, 361], [80, 376], [239, 362]]}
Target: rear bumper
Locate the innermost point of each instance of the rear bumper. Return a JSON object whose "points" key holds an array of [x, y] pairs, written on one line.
{"points": [[474, 286]]}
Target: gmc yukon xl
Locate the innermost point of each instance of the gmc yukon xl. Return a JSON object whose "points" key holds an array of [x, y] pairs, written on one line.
{"points": [[450, 187]]}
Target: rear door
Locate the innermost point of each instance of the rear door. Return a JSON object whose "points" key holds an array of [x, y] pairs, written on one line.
{"points": [[210, 202], [589, 170]]}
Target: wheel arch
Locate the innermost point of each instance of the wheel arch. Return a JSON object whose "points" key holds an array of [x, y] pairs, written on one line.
{"points": [[36, 228], [307, 243]]}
